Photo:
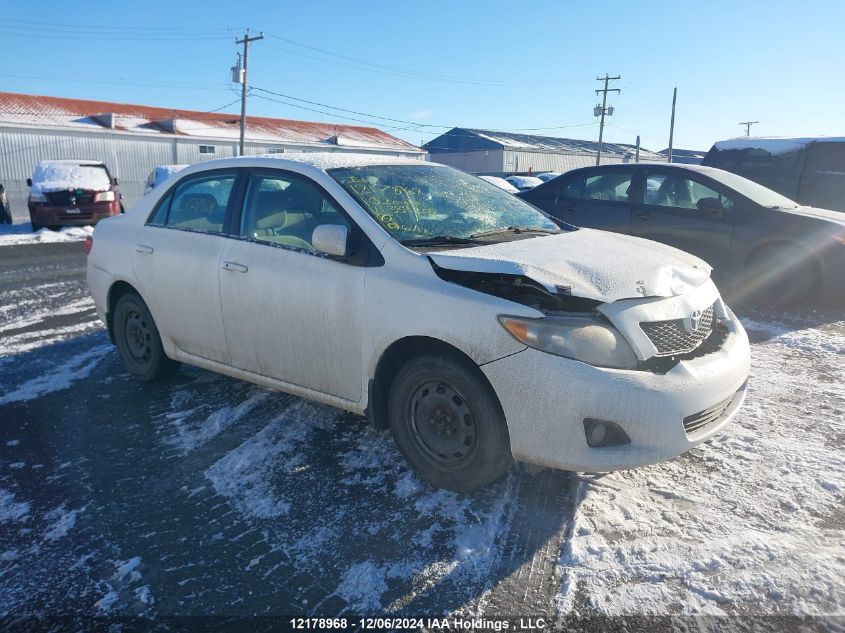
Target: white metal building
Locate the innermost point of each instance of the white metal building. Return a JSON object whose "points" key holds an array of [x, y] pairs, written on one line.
{"points": [[504, 153], [131, 139]]}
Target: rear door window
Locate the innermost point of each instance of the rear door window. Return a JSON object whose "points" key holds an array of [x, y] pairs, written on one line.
{"points": [[197, 203], [668, 189], [607, 186]]}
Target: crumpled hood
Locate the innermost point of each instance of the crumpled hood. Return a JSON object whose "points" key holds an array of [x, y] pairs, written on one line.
{"points": [[594, 264]]}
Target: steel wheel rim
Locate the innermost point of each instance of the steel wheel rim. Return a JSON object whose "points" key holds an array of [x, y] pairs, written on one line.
{"points": [[443, 424], [138, 337]]}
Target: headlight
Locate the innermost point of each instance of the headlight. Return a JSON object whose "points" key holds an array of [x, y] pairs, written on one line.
{"points": [[581, 338], [37, 198], [104, 196]]}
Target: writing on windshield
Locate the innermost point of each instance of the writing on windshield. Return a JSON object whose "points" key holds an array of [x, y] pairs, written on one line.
{"points": [[421, 201]]}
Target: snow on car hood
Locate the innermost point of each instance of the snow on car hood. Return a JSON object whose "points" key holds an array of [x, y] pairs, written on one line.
{"points": [[595, 264]]}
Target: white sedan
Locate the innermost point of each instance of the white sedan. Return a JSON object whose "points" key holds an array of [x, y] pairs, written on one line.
{"points": [[455, 314]]}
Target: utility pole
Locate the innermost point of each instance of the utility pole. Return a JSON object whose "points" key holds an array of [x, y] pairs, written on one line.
{"points": [[603, 109], [672, 124], [245, 41], [748, 125]]}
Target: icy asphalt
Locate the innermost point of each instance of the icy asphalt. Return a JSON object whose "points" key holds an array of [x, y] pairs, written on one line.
{"points": [[211, 496]]}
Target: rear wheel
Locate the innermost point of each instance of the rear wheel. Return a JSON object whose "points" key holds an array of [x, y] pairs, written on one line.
{"points": [[138, 341], [448, 424]]}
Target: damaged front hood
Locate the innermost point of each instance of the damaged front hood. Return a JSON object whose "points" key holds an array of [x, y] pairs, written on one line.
{"points": [[591, 264]]}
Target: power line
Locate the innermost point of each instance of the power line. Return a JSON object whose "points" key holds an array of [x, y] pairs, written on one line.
{"points": [[116, 82], [414, 125], [127, 27], [397, 71]]}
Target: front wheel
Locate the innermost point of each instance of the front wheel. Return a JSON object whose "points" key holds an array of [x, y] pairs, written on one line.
{"points": [[138, 341], [448, 423]]}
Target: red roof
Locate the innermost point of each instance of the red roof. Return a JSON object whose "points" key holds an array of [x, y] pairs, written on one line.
{"points": [[42, 111]]}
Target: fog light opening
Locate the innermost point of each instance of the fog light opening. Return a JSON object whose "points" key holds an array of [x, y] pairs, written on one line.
{"points": [[601, 433]]}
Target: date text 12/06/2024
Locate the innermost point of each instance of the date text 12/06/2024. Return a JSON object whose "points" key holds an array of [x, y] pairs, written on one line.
{"points": [[413, 624]]}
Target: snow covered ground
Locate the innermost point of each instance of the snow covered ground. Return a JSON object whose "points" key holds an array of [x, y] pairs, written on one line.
{"points": [[210, 495], [15, 234], [752, 522]]}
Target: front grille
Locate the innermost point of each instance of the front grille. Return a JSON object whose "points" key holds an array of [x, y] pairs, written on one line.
{"points": [[70, 198], [699, 421], [675, 337]]}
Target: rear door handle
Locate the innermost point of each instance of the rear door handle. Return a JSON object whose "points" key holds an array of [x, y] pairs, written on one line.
{"points": [[234, 267], [144, 249], [645, 216]]}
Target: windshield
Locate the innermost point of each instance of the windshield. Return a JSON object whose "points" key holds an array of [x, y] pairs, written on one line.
{"points": [[755, 192], [418, 202]]}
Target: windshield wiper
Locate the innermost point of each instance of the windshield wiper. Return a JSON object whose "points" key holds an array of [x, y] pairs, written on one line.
{"points": [[516, 229], [438, 239]]}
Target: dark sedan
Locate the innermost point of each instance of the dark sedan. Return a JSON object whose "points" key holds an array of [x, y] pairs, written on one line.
{"points": [[760, 244]]}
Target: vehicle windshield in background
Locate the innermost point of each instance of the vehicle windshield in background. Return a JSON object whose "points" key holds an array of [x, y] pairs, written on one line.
{"points": [[420, 202], [68, 175], [755, 192]]}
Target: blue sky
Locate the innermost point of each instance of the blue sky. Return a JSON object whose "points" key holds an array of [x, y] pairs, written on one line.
{"points": [[495, 65]]}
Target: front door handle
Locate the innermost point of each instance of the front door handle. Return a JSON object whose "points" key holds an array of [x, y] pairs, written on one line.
{"points": [[144, 249], [234, 267], [645, 216]]}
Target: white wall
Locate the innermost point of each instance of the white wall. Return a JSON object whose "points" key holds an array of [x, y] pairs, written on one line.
{"points": [[130, 157]]}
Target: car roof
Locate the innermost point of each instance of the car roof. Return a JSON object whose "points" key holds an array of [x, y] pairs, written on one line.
{"points": [[322, 161], [701, 169]]}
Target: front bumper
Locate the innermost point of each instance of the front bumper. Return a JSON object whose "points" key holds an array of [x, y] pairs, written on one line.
{"points": [[56, 215], [546, 399]]}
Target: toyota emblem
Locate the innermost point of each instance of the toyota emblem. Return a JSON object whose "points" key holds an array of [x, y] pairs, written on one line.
{"points": [[694, 321]]}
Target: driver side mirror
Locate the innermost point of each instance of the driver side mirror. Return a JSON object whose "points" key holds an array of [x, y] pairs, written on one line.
{"points": [[114, 180], [29, 182], [713, 206], [331, 239]]}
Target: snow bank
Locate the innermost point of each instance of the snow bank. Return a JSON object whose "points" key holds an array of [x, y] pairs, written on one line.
{"points": [[59, 175], [16, 234]]}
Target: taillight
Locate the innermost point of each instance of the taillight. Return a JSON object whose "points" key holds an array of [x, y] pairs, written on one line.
{"points": [[88, 244]]}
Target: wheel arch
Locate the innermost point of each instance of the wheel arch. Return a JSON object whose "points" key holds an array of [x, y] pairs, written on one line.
{"points": [[118, 289], [401, 351]]}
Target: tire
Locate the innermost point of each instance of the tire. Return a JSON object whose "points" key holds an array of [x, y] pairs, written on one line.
{"points": [[448, 424], [36, 228], [138, 341], [774, 284]]}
